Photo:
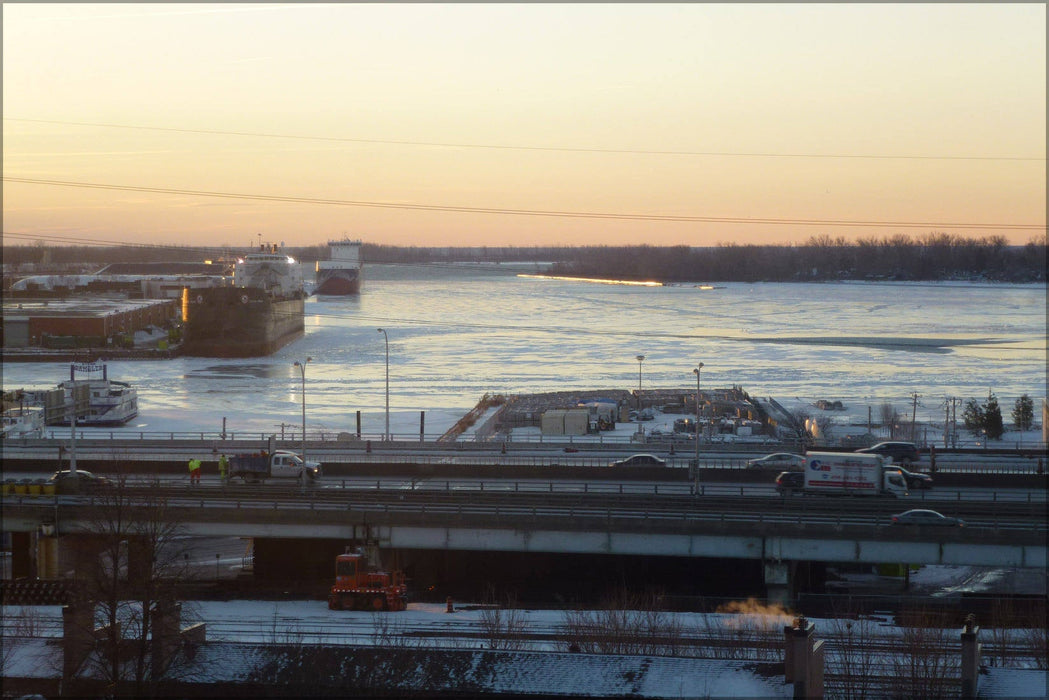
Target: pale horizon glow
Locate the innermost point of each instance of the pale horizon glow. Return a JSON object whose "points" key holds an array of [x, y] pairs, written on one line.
{"points": [[522, 125]]}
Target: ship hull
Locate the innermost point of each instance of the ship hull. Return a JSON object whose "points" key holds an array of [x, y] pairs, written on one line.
{"points": [[338, 281], [240, 322]]}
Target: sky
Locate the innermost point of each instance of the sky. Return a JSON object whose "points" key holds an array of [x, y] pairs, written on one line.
{"points": [[522, 124]]}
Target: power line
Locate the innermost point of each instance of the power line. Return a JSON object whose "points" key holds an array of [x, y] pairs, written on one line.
{"points": [[529, 212], [504, 147]]}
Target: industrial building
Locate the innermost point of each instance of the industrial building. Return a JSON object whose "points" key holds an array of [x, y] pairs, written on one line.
{"points": [[95, 321]]}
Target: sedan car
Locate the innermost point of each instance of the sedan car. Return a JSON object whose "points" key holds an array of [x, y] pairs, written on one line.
{"points": [[789, 482], [920, 516], [642, 460], [81, 481], [778, 460], [901, 452], [915, 480]]}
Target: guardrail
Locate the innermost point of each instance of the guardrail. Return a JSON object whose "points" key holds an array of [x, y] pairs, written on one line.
{"points": [[571, 514], [683, 446]]}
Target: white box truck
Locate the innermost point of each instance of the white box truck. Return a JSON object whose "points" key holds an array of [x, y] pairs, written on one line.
{"points": [[852, 474]]}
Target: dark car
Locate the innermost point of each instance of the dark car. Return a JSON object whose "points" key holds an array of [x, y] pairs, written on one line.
{"points": [[920, 516], [901, 452], [81, 481], [789, 482], [642, 460], [915, 480]]}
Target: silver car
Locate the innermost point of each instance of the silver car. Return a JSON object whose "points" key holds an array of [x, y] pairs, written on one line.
{"points": [[778, 461], [920, 516], [642, 460]]}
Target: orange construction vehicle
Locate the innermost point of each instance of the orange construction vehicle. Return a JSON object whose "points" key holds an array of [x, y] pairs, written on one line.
{"points": [[361, 585]]}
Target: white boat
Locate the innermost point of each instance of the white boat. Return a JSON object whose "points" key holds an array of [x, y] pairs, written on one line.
{"points": [[24, 422], [100, 401]]}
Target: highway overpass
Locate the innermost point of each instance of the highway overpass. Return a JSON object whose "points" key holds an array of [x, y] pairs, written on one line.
{"points": [[777, 532]]}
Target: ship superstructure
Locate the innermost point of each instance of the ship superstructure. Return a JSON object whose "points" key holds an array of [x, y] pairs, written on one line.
{"points": [[258, 311], [341, 274]]}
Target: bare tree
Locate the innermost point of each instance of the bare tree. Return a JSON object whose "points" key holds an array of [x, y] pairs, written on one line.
{"points": [[890, 418], [854, 664], [748, 629], [628, 623], [504, 625], [129, 570], [926, 662]]}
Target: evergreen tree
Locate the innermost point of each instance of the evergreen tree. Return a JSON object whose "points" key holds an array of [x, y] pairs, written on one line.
{"points": [[1023, 413], [992, 418], [972, 417]]}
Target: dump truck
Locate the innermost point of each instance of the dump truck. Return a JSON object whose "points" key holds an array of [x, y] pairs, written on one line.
{"points": [[852, 474], [361, 584], [276, 465]]}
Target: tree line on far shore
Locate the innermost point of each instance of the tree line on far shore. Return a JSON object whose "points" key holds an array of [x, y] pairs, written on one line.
{"points": [[935, 256]]}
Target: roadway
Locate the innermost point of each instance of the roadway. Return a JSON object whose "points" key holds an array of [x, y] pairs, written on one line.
{"points": [[332, 453], [1022, 510]]}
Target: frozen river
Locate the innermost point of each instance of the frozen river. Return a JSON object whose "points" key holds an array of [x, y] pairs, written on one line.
{"points": [[459, 332]]}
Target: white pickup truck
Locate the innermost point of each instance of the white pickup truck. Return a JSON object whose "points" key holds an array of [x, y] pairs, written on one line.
{"points": [[279, 465]]}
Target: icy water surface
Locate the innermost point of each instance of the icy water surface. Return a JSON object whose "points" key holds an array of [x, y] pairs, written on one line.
{"points": [[456, 333]]}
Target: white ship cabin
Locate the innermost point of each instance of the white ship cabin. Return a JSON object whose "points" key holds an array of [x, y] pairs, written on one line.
{"points": [[345, 251], [268, 268]]}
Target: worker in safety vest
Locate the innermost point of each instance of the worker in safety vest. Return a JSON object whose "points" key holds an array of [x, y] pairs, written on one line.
{"points": [[223, 467], [194, 471]]}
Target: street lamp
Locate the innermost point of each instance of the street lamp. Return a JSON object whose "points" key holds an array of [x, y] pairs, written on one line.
{"points": [[385, 335], [696, 372], [302, 371], [640, 359]]}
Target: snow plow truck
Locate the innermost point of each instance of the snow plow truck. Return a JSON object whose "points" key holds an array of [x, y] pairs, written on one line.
{"points": [[360, 584]]}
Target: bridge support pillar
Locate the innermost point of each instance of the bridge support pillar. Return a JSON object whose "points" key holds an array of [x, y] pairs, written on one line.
{"points": [[779, 580], [77, 556], [47, 554], [23, 565], [140, 563]]}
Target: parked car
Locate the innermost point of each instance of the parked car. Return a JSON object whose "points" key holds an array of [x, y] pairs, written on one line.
{"points": [[901, 452], [778, 460], [642, 460], [915, 480], [67, 482], [787, 483], [921, 516]]}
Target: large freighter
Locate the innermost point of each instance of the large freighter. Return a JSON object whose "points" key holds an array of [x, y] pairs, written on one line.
{"points": [[341, 273], [258, 313]]}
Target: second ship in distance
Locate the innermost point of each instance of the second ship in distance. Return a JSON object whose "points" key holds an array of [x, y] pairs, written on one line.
{"points": [[341, 274]]}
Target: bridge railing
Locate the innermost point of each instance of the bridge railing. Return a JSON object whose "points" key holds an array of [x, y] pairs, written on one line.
{"points": [[679, 445]]}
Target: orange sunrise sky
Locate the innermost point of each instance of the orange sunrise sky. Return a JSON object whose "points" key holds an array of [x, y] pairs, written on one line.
{"points": [[522, 124]]}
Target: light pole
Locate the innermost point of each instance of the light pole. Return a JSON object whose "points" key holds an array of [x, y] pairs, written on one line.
{"points": [[302, 371], [696, 372], [386, 336], [640, 359]]}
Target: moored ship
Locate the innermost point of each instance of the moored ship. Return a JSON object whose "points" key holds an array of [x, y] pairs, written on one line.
{"points": [[258, 312], [340, 275], [95, 401]]}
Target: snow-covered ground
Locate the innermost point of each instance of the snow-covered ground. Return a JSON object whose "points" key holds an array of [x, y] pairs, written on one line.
{"points": [[309, 623]]}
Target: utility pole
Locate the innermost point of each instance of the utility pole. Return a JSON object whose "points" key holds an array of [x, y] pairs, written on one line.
{"points": [[914, 415], [954, 421], [946, 420]]}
